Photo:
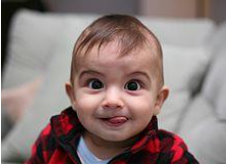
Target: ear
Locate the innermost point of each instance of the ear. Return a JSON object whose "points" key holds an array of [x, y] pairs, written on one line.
{"points": [[70, 92], [161, 97]]}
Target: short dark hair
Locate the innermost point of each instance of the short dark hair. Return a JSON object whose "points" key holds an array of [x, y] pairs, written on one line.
{"points": [[129, 32]]}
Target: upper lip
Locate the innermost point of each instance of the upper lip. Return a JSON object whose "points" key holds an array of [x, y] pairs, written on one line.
{"points": [[105, 114]]}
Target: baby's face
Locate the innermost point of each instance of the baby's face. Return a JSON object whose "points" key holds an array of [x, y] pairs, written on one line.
{"points": [[115, 97]]}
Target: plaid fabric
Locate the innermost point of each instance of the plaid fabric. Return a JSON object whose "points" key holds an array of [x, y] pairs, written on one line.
{"points": [[58, 142]]}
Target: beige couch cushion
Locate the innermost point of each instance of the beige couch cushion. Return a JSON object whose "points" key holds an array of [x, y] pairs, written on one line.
{"points": [[204, 133], [28, 53]]}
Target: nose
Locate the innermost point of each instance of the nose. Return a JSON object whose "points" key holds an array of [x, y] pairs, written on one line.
{"points": [[112, 99]]}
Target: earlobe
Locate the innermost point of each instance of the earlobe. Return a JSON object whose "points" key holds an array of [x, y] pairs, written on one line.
{"points": [[161, 97], [70, 92]]}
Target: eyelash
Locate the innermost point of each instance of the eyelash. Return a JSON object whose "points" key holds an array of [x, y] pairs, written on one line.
{"points": [[134, 80], [90, 80]]}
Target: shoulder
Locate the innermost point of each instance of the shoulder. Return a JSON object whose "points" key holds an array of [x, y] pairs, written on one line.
{"points": [[170, 140], [43, 147], [49, 140], [59, 125], [174, 147], [46, 140]]}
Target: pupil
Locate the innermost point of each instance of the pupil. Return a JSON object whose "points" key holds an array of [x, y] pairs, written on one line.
{"points": [[132, 86], [96, 84]]}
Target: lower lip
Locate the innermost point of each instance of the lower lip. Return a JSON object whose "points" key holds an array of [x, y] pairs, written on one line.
{"points": [[115, 122]]}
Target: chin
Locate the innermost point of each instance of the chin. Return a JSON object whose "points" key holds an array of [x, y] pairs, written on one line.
{"points": [[115, 137]]}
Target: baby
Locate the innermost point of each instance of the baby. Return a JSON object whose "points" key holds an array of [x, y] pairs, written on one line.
{"points": [[116, 90]]}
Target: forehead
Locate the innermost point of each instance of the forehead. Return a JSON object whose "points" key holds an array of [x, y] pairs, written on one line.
{"points": [[109, 56]]}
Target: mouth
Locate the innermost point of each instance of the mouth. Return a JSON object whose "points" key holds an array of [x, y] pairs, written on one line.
{"points": [[115, 121]]}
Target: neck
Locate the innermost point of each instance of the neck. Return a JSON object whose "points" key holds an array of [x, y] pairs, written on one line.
{"points": [[104, 149]]}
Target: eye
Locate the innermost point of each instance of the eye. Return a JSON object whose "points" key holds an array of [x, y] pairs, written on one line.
{"points": [[95, 84], [132, 86]]}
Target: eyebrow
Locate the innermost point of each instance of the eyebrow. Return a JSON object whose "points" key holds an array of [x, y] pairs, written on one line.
{"points": [[91, 72], [139, 73]]}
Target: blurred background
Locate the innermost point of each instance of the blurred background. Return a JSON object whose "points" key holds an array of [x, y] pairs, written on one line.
{"points": [[213, 9]]}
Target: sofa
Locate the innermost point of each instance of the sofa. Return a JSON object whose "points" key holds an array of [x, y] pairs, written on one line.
{"points": [[38, 65]]}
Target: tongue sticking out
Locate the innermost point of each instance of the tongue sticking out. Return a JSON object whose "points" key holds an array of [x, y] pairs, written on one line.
{"points": [[117, 120]]}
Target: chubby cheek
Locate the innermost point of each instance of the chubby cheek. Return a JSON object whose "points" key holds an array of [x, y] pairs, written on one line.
{"points": [[85, 104], [142, 108]]}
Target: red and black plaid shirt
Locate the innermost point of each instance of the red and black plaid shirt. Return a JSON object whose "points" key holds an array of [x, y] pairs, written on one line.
{"points": [[58, 144]]}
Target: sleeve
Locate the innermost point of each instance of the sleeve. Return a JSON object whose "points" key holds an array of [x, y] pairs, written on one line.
{"points": [[181, 155], [41, 150]]}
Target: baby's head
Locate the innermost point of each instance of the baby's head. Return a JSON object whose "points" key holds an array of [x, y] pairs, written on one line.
{"points": [[116, 82], [126, 31]]}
